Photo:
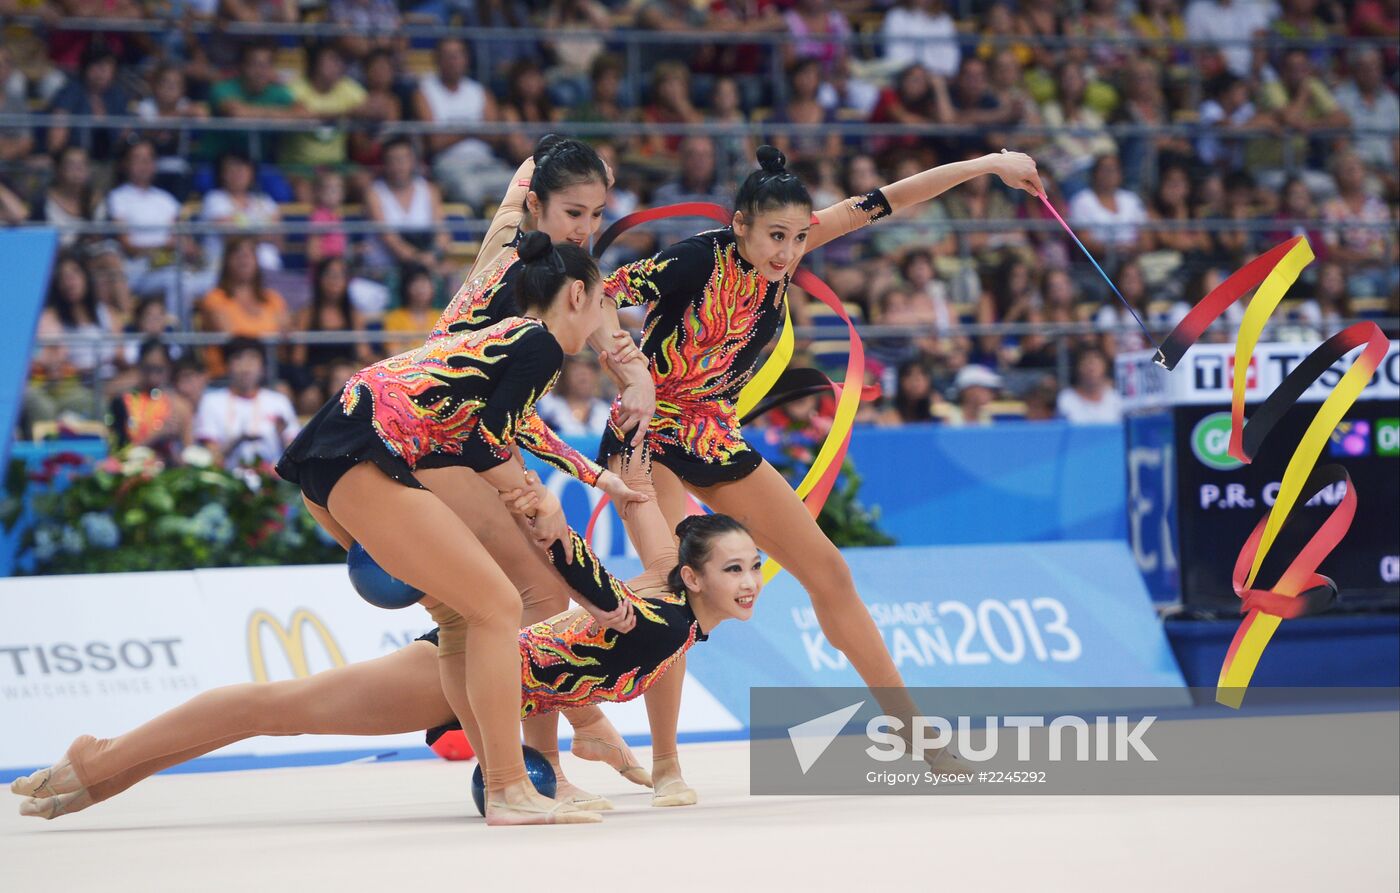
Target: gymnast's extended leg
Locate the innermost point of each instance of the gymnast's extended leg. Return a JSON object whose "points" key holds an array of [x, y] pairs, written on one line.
{"points": [[784, 529], [663, 698], [399, 692], [543, 594], [416, 537]]}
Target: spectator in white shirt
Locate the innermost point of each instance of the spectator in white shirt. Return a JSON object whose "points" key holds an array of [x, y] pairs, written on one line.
{"points": [[1110, 215], [1216, 21], [1093, 399], [921, 32], [156, 261], [573, 408], [464, 165], [1372, 105], [1229, 110], [245, 423], [238, 202]]}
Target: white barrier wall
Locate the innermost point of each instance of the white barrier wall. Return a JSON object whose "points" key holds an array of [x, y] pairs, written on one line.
{"points": [[100, 654]]}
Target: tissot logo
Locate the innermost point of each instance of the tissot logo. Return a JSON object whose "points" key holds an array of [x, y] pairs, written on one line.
{"points": [[1213, 373], [71, 658]]}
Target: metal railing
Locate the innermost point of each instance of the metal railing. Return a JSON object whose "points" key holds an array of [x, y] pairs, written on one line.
{"points": [[641, 47], [417, 30], [878, 339], [607, 129], [476, 225]]}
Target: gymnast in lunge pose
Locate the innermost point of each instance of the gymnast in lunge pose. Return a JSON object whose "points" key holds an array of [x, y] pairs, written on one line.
{"points": [[714, 301], [560, 192], [463, 399], [710, 572]]}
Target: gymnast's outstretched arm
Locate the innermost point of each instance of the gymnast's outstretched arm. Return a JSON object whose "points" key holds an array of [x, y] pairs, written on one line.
{"points": [[656, 544], [506, 219], [1015, 170]]}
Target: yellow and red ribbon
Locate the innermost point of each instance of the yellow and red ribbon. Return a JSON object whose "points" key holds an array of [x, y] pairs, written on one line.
{"points": [[1300, 589], [821, 477]]}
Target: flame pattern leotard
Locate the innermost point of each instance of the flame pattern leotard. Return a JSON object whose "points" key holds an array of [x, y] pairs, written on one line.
{"points": [[710, 314], [461, 398], [484, 298], [569, 661]]}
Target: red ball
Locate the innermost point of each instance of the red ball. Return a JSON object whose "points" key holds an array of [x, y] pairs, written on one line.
{"points": [[453, 746]]}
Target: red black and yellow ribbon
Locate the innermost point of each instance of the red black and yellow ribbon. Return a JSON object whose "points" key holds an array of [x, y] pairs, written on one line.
{"points": [[821, 477], [1300, 589]]}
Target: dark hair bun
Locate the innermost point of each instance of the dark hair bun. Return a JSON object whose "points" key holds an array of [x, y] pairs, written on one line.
{"points": [[771, 160], [535, 245], [546, 143], [687, 523]]}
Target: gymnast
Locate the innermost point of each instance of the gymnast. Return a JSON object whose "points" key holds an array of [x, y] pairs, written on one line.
{"points": [[464, 399], [714, 301], [561, 192], [708, 573]]}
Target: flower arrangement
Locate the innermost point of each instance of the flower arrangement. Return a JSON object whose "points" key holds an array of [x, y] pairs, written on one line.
{"points": [[791, 441], [130, 512]]}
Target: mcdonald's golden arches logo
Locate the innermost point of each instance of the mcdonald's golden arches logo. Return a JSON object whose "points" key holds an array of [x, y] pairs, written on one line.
{"points": [[292, 638]]}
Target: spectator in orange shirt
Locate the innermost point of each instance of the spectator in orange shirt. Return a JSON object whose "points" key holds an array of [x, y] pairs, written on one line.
{"points": [[415, 315], [241, 305]]}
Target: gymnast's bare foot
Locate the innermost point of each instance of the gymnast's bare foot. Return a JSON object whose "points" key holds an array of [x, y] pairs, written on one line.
{"points": [[521, 804], [601, 743], [671, 789], [53, 807]]}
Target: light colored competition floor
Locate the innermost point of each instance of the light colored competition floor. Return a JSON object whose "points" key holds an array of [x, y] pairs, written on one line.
{"points": [[411, 826]]}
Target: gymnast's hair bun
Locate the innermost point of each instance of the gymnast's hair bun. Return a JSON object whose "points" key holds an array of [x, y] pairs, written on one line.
{"points": [[547, 143], [688, 523], [534, 246], [772, 160]]}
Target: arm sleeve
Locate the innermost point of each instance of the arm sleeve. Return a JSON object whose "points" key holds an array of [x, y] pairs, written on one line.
{"points": [[531, 360], [537, 437], [507, 219], [847, 216], [587, 576], [646, 524], [663, 275]]}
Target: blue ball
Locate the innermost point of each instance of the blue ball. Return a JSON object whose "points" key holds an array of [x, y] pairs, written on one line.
{"points": [[536, 766], [375, 585]]}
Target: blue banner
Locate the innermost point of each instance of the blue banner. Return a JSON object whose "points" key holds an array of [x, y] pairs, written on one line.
{"points": [[1053, 614], [1151, 502], [27, 258], [1012, 482]]}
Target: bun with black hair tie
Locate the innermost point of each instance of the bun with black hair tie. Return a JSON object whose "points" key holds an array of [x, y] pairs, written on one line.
{"points": [[537, 247], [687, 524], [772, 160], [546, 145]]}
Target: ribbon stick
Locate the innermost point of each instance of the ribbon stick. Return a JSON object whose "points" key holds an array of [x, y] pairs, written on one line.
{"points": [[821, 477], [1300, 590], [1051, 208]]}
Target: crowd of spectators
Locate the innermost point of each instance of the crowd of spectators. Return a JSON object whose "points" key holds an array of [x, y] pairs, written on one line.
{"points": [[1289, 130]]}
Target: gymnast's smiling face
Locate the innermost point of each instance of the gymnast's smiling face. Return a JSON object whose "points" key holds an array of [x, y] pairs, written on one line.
{"points": [[775, 239], [730, 577], [572, 214]]}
